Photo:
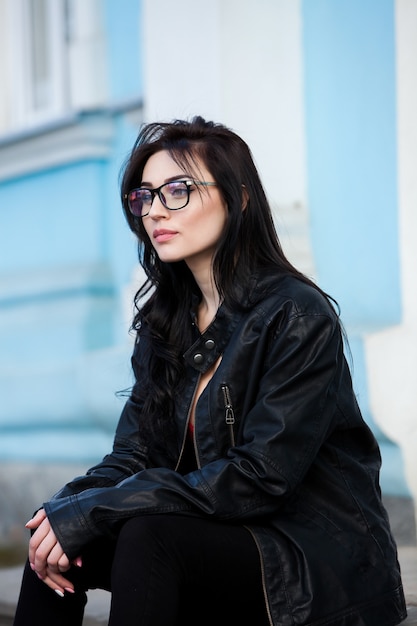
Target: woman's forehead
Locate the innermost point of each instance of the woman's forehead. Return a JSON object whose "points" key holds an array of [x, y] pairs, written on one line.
{"points": [[167, 163]]}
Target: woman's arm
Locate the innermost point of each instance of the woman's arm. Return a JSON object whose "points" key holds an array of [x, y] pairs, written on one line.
{"points": [[281, 435]]}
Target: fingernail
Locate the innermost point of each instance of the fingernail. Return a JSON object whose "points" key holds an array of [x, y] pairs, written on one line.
{"points": [[69, 589], [59, 593], [32, 566], [78, 561]]}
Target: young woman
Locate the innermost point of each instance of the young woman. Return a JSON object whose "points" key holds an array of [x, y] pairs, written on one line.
{"points": [[243, 485]]}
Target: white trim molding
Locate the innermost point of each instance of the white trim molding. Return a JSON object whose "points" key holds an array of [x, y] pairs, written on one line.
{"points": [[87, 135], [80, 137], [392, 353]]}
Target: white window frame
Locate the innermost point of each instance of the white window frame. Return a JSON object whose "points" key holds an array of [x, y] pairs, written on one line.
{"points": [[23, 110]]}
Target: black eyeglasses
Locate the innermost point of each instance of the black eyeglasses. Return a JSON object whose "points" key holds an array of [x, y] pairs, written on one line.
{"points": [[173, 195]]}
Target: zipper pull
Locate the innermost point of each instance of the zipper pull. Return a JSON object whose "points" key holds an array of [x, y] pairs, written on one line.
{"points": [[230, 416], [229, 413]]}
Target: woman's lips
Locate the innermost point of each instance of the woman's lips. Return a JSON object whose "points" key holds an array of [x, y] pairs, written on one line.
{"points": [[163, 235]]}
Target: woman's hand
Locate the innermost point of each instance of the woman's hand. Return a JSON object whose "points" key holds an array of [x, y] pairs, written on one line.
{"points": [[46, 557]]}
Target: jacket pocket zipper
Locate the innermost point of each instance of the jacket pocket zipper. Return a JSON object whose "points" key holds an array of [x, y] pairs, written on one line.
{"points": [[268, 610], [229, 416]]}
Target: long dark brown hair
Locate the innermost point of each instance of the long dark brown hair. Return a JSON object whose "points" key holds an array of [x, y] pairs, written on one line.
{"points": [[248, 245]]}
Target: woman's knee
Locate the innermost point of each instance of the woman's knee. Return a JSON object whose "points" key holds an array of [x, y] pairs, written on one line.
{"points": [[141, 531], [143, 538]]}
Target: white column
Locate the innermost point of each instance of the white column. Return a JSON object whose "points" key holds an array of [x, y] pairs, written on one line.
{"points": [[392, 353], [238, 62]]}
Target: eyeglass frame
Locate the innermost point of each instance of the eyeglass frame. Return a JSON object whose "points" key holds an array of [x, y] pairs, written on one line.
{"points": [[157, 191]]}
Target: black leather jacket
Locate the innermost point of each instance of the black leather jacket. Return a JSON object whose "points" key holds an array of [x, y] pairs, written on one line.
{"points": [[281, 448]]}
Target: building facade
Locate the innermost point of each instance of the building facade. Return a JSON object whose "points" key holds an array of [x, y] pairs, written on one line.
{"points": [[325, 94]]}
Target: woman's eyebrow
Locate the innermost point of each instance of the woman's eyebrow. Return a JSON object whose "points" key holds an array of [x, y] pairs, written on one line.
{"points": [[182, 176]]}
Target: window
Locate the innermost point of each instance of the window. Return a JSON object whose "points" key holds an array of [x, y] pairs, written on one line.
{"points": [[37, 61]]}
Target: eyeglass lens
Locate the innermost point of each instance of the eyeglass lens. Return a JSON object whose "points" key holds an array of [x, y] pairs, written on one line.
{"points": [[173, 195]]}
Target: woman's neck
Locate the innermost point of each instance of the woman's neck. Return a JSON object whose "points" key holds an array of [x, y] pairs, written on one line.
{"points": [[206, 313], [210, 302], [210, 297]]}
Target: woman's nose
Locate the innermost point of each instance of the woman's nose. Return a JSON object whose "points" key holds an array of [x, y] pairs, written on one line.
{"points": [[157, 208]]}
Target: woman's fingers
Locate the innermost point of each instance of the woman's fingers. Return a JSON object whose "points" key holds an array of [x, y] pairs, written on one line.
{"points": [[78, 562], [45, 552], [37, 540], [57, 560], [59, 584], [36, 519], [46, 556], [56, 580], [41, 559], [63, 562]]}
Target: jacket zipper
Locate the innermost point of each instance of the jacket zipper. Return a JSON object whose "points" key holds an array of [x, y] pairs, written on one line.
{"points": [[229, 416], [268, 610]]}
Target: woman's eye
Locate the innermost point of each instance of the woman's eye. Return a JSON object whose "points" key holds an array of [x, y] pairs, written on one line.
{"points": [[178, 191], [146, 196]]}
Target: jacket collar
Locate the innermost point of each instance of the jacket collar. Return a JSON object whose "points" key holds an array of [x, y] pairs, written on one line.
{"points": [[211, 343]]}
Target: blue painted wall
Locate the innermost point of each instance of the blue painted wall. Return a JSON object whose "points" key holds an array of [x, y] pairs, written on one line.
{"points": [[350, 90], [350, 104], [66, 258], [58, 214], [66, 254]]}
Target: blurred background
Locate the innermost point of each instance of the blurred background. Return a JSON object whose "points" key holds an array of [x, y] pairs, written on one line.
{"points": [[325, 94]]}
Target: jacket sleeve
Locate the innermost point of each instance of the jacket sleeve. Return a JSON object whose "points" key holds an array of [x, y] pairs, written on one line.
{"points": [[280, 438]]}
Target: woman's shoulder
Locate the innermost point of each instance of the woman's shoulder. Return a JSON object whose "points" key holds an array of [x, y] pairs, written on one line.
{"points": [[298, 297]]}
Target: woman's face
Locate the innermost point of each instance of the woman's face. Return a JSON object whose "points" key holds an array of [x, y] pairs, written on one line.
{"points": [[191, 233]]}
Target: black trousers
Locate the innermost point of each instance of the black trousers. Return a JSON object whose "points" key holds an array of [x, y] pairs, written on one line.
{"points": [[163, 570]]}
